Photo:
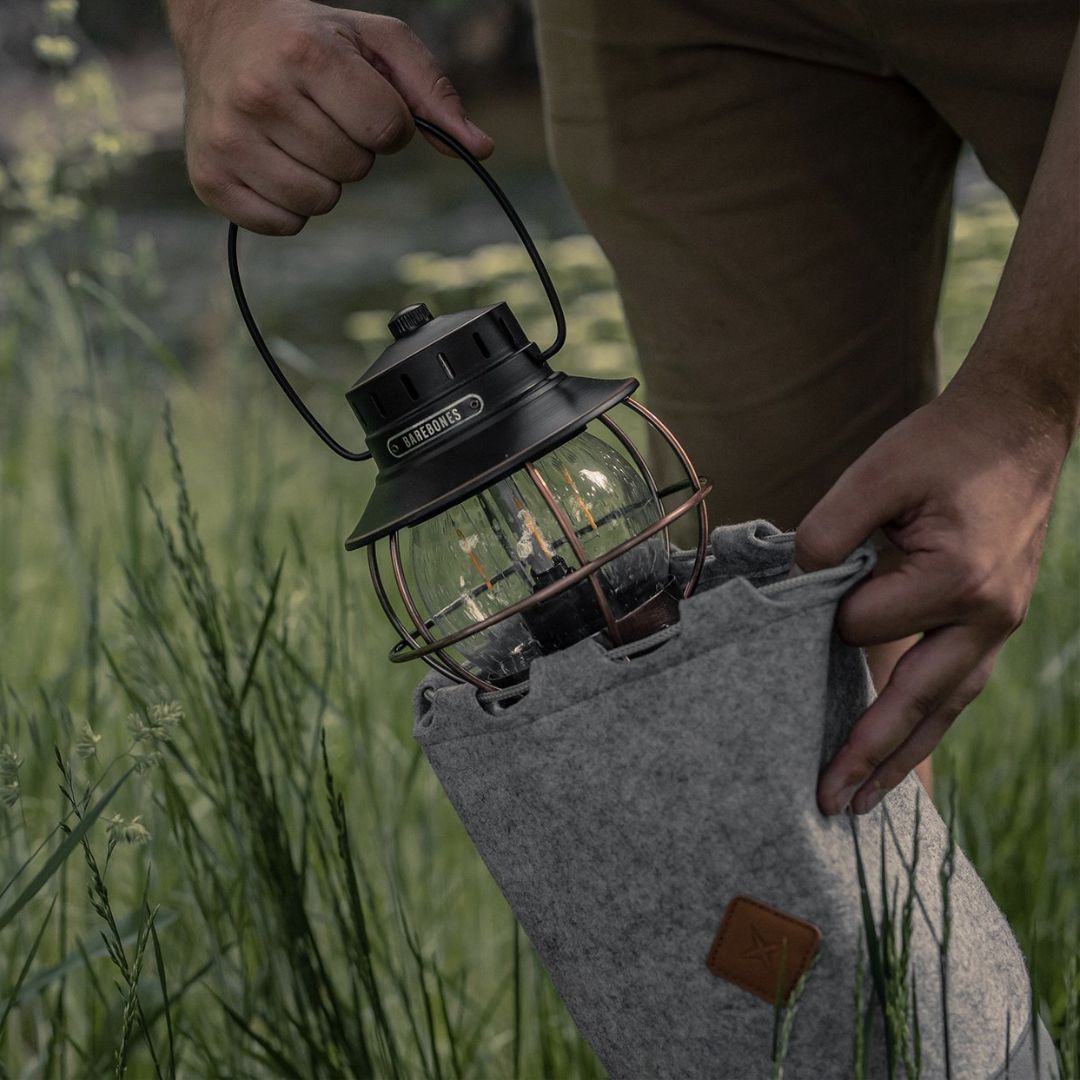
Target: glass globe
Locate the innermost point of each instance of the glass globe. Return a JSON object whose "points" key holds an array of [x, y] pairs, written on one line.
{"points": [[502, 545]]}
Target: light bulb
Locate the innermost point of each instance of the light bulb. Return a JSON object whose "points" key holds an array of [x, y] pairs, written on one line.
{"points": [[500, 546]]}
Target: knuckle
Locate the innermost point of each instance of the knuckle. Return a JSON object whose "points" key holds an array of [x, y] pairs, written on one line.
{"points": [[442, 89], [361, 167], [299, 47], [284, 226], [978, 588], [950, 711], [390, 24], [224, 139], [974, 584], [866, 752], [208, 182], [354, 166], [1011, 611], [324, 199], [1018, 613], [393, 133], [919, 704], [254, 93], [913, 701]]}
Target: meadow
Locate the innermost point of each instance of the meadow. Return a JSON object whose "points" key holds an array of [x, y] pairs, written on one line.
{"points": [[223, 855]]}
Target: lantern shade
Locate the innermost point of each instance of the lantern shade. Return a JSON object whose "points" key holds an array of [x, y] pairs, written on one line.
{"points": [[457, 402], [463, 462]]}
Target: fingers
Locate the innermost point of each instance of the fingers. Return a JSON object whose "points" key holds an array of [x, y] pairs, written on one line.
{"points": [[866, 496], [921, 742], [251, 210], [312, 138], [940, 585], [934, 679], [403, 59], [283, 180], [269, 191], [916, 594], [358, 99]]}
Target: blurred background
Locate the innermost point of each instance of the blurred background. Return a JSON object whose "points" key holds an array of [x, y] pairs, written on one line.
{"points": [[277, 885]]}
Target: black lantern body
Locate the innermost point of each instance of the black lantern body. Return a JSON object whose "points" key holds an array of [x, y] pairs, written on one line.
{"points": [[456, 402], [518, 516]]}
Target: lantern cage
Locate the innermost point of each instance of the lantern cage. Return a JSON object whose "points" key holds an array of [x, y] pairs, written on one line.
{"points": [[582, 539]]}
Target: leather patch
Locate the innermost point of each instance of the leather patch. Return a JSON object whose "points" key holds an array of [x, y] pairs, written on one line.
{"points": [[754, 941]]}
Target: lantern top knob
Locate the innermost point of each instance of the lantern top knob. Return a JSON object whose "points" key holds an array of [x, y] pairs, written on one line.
{"points": [[409, 319]]}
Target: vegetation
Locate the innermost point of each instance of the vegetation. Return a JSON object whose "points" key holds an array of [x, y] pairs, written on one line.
{"points": [[219, 837]]}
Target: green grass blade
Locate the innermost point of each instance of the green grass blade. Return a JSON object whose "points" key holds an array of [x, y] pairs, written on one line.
{"points": [[260, 637], [13, 997], [130, 321], [56, 859], [159, 965], [84, 952]]}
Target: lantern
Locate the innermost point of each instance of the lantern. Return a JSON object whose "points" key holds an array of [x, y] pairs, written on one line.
{"points": [[516, 515]]}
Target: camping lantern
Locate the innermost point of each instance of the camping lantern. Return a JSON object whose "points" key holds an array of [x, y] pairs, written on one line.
{"points": [[516, 514]]}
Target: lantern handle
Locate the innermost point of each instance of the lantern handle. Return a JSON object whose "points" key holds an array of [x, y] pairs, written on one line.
{"points": [[527, 242]]}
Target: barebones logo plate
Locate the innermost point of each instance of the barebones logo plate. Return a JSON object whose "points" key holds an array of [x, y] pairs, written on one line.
{"points": [[437, 424]]}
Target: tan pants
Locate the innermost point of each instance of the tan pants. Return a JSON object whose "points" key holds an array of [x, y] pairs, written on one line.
{"points": [[772, 181]]}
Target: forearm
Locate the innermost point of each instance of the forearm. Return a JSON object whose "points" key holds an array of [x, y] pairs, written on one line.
{"points": [[1029, 347]]}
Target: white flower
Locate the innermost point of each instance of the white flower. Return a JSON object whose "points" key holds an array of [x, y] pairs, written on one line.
{"points": [[62, 10], [56, 49]]}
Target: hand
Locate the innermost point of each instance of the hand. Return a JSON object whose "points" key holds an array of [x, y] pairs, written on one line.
{"points": [[287, 100], [963, 488]]}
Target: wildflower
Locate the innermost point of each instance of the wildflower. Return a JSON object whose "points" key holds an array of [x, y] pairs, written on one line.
{"points": [[9, 776], [56, 49], [35, 168], [107, 144], [499, 260], [415, 266], [86, 743], [89, 90], [156, 724], [62, 10], [451, 273], [572, 252], [145, 762], [24, 234], [61, 210], [126, 832], [367, 325], [116, 264]]}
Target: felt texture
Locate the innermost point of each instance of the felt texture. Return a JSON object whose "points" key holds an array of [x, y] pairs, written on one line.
{"points": [[622, 802]]}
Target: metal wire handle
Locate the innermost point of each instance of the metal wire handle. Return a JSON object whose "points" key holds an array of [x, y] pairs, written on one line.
{"points": [[519, 227]]}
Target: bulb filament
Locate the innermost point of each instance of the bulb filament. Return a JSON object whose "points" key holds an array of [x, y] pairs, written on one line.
{"points": [[580, 501], [466, 545]]}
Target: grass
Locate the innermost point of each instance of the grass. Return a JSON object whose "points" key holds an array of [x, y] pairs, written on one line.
{"points": [[275, 884]]}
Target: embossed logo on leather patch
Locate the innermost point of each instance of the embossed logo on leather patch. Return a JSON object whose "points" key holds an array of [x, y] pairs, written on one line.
{"points": [[755, 941]]}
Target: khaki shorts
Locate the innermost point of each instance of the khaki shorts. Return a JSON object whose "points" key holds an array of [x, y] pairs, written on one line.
{"points": [[772, 182]]}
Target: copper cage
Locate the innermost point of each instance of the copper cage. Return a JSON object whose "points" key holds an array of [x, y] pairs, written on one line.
{"points": [[420, 643]]}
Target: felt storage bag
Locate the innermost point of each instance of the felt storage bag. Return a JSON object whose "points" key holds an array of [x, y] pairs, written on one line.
{"points": [[651, 819]]}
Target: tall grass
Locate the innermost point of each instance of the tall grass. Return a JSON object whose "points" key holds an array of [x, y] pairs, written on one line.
{"points": [[261, 875]]}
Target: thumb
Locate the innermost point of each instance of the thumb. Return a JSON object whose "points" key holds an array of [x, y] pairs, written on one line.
{"points": [[392, 48], [865, 497]]}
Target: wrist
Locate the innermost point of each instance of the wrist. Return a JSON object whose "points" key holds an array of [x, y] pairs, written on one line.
{"points": [[191, 20], [1039, 381], [1028, 416]]}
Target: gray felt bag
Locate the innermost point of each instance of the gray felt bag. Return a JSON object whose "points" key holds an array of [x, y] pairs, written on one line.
{"points": [[652, 822]]}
